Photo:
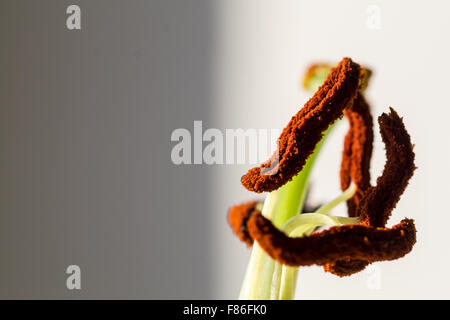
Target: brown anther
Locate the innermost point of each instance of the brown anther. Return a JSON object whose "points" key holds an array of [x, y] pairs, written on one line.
{"points": [[356, 242], [239, 214], [339, 248], [379, 201], [345, 267], [355, 166], [305, 129], [238, 217]]}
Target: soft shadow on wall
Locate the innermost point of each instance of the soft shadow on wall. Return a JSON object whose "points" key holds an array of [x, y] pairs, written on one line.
{"points": [[86, 176]]}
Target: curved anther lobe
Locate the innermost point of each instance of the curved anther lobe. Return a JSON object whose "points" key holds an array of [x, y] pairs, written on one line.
{"points": [[355, 167], [305, 129], [357, 152], [379, 201], [238, 216], [357, 242]]}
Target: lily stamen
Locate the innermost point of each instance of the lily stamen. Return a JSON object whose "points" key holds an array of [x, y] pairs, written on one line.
{"points": [[283, 238]]}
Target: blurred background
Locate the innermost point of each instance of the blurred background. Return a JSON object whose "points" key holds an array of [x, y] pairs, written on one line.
{"points": [[86, 117]]}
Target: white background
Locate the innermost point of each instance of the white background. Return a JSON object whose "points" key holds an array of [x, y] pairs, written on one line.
{"points": [[263, 49]]}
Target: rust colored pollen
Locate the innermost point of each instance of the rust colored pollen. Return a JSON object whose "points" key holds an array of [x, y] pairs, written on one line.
{"points": [[305, 129], [355, 167], [357, 152], [347, 249], [379, 201], [343, 242], [346, 267], [238, 217]]}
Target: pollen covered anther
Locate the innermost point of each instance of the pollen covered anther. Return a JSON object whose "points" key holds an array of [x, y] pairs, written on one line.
{"points": [[299, 138], [358, 242], [355, 167], [379, 201], [350, 243], [340, 247], [345, 267], [238, 216]]}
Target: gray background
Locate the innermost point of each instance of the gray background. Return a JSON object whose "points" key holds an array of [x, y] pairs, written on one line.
{"points": [[85, 171]]}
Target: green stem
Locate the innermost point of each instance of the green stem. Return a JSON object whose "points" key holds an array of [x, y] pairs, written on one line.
{"points": [[285, 276], [258, 276]]}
